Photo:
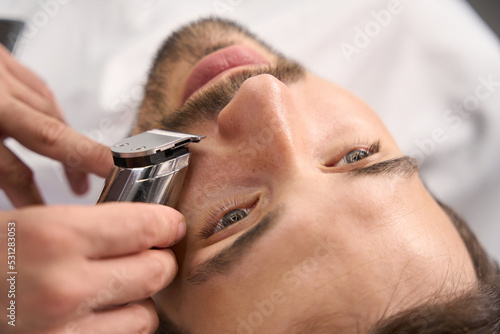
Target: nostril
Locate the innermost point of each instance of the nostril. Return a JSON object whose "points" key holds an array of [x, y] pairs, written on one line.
{"points": [[257, 103]]}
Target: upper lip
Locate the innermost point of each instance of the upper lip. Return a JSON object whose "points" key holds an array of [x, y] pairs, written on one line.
{"points": [[217, 62]]}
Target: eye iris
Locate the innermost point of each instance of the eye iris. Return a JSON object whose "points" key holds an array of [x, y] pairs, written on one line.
{"points": [[356, 155], [230, 218], [234, 216]]}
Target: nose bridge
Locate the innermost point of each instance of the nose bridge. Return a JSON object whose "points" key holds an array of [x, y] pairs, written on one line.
{"points": [[259, 121]]}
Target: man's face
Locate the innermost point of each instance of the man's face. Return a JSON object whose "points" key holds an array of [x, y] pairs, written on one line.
{"points": [[301, 209]]}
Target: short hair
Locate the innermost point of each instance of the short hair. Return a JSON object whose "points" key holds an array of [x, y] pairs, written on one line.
{"points": [[177, 46], [475, 311]]}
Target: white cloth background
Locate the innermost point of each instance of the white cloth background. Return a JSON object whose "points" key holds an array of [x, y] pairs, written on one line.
{"points": [[416, 67]]}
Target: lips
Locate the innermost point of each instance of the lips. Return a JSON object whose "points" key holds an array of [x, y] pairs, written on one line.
{"points": [[218, 62]]}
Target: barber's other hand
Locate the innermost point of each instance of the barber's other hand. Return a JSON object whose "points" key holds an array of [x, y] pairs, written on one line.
{"points": [[88, 269], [30, 114]]}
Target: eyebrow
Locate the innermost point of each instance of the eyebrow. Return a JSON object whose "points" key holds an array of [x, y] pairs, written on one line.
{"points": [[224, 261], [404, 166]]}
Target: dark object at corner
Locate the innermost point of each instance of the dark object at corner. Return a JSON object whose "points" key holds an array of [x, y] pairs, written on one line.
{"points": [[489, 10]]}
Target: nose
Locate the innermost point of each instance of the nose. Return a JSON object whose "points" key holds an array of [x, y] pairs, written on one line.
{"points": [[260, 121]]}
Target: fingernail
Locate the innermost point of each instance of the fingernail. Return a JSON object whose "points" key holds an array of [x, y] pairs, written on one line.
{"points": [[181, 231]]}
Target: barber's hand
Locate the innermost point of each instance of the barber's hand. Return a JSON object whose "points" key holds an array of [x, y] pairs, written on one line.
{"points": [[88, 269], [30, 114]]}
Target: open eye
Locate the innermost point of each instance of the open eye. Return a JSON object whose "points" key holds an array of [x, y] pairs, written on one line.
{"points": [[230, 218], [358, 154], [353, 156], [226, 214]]}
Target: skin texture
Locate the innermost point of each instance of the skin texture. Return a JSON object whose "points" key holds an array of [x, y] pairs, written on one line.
{"points": [[343, 249]]}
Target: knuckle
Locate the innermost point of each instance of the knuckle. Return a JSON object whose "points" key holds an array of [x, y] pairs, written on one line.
{"points": [[51, 132]]}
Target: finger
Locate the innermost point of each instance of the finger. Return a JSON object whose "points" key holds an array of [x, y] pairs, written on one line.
{"points": [[112, 229], [138, 317], [27, 95], [52, 138], [28, 88], [17, 180], [132, 277], [78, 180], [23, 74]]}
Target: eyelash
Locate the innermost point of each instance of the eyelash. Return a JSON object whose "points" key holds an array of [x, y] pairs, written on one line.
{"points": [[217, 214], [346, 149]]}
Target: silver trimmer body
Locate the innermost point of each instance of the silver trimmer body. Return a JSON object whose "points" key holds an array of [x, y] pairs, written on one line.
{"points": [[149, 167]]}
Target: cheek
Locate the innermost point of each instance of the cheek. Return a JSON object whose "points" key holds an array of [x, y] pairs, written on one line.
{"points": [[280, 277], [353, 220], [259, 291], [320, 253]]}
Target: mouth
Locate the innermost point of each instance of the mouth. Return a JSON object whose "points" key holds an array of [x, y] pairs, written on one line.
{"points": [[213, 65]]}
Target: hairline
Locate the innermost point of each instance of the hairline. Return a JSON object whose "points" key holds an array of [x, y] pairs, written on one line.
{"points": [[485, 269]]}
